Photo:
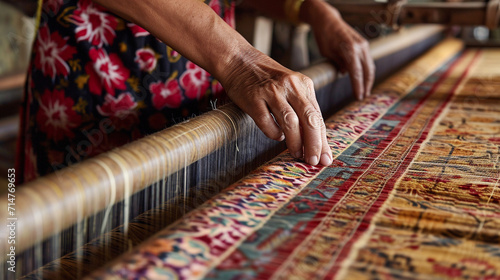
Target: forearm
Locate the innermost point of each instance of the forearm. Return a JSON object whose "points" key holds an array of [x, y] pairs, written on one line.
{"points": [[191, 28]]}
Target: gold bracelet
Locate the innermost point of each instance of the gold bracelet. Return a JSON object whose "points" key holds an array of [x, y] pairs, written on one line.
{"points": [[292, 10]]}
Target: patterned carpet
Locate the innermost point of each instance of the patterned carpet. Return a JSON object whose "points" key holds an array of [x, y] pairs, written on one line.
{"points": [[413, 192]]}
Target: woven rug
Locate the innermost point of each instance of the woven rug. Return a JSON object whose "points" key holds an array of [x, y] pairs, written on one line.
{"points": [[413, 192]]}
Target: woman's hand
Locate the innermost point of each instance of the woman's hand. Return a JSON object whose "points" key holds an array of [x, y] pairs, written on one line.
{"points": [[342, 44], [282, 103]]}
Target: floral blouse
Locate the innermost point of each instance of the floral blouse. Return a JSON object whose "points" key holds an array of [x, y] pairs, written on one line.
{"points": [[97, 81]]}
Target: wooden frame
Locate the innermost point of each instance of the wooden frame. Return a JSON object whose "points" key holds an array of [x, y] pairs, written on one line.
{"points": [[395, 13]]}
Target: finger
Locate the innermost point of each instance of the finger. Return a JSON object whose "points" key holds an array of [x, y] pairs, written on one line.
{"points": [[264, 120], [311, 93], [326, 153], [368, 71], [356, 73], [289, 123], [350, 55], [312, 125]]}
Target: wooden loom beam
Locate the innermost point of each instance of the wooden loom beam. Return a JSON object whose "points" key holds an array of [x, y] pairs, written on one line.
{"points": [[391, 14], [57, 201]]}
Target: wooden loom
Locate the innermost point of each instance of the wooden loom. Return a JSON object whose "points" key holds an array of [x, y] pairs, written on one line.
{"points": [[105, 187], [398, 12]]}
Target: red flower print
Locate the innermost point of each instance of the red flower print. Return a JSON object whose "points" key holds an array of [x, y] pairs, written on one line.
{"points": [[52, 52], [194, 81], [107, 71], [94, 24], [52, 5], [228, 11], [166, 94], [215, 5], [56, 117], [120, 110], [146, 58], [137, 30]]}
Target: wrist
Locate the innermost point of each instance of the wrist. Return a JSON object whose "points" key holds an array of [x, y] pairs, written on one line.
{"points": [[236, 64], [249, 68], [318, 12]]}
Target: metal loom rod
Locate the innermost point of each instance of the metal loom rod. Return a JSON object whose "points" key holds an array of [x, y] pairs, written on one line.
{"points": [[55, 202]]}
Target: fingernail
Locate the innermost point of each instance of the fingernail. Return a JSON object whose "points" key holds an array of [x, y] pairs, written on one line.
{"points": [[313, 160], [282, 137], [326, 159], [297, 154]]}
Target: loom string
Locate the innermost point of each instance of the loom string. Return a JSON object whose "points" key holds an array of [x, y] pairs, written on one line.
{"points": [[56, 244], [38, 219], [91, 226], [114, 193], [184, 172], [162, 169], [126, 205], [148, 222], [79, 227], [213, 104], [234, 128], [157, 185], [112, 198]]}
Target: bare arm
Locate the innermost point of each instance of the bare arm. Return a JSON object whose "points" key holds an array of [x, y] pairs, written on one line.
{"points": [[188, 26]]}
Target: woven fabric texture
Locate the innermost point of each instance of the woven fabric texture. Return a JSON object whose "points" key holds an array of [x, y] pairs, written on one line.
{"points": [[413, 193]]}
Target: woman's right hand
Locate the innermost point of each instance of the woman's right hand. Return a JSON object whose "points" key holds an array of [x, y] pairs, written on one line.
{"points": [[282, 103]]}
